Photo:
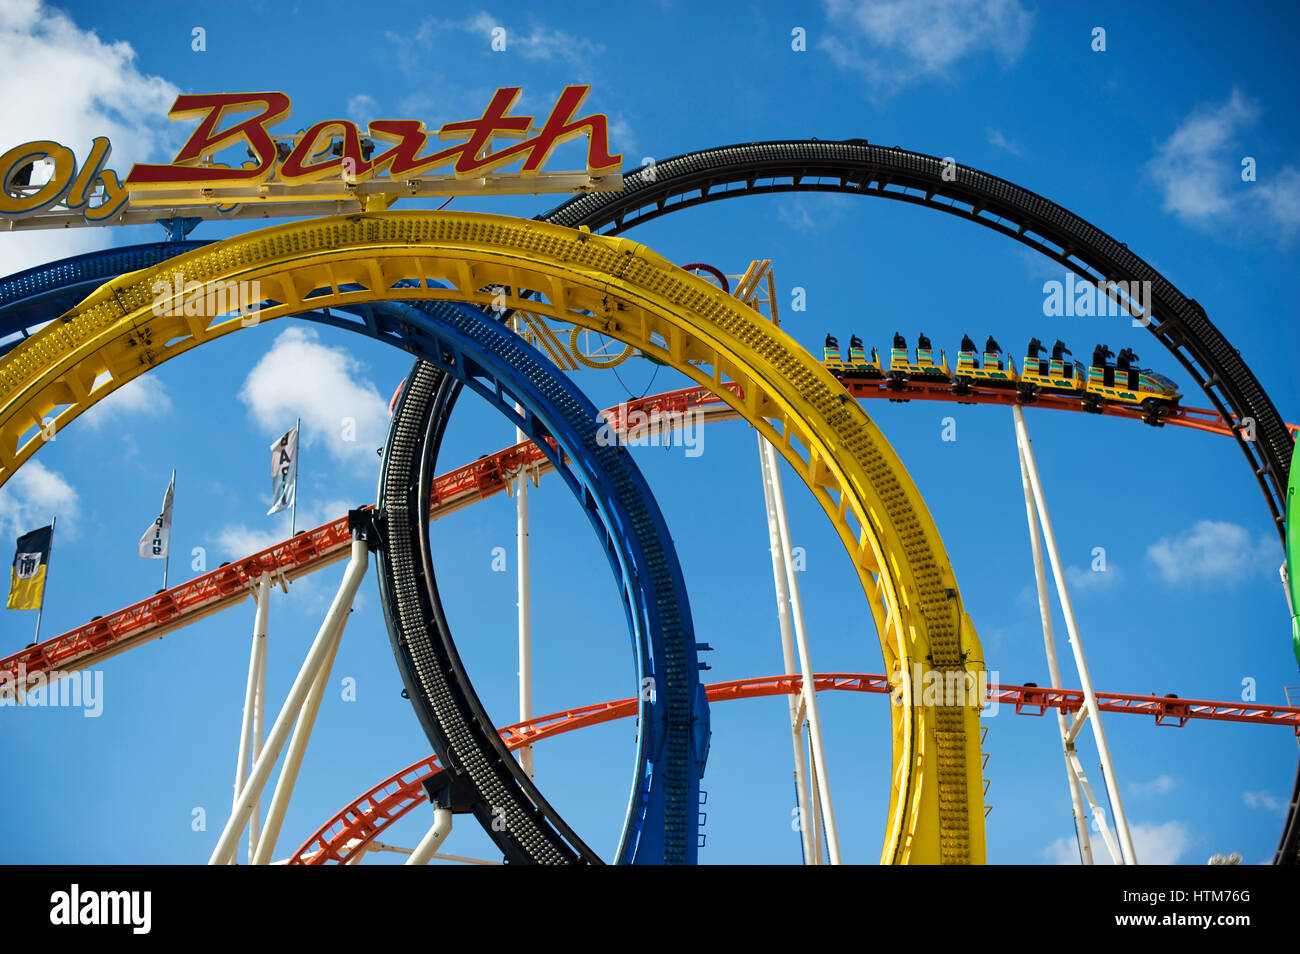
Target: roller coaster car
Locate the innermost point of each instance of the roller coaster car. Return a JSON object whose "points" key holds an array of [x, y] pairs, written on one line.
{"points": [[1051, 374], [901, 368], [1103, 383], [990, 373], [858, 365], [831, 357], [1139, 387]]}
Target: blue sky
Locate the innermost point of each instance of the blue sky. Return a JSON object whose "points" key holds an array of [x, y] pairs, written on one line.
{"points": [[1145, 140]]}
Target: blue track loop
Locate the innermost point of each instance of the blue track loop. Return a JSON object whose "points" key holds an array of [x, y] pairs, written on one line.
{"points": [[498, 365]]}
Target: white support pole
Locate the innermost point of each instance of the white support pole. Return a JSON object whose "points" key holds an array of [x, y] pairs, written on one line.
{"points": [[1076, 726], [807, 820], [805, 659], [167, 560], [525, 612], [525, 595], [302, 684], [40, 610], [1053, 669], [259, 717], [818, 854], [433, 838], [1098, 813], [1076, 642], [297, 460], [260, 594], [297, 749]]}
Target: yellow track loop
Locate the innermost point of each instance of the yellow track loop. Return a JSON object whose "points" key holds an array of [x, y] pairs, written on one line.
{"points": [[629, 293], [575, 348]]}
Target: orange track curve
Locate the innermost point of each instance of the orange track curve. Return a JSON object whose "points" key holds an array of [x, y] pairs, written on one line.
{"points": [[340, 839]]}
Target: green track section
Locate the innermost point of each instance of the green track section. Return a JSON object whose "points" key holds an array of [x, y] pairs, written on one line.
{"points": [[1293, 550]]}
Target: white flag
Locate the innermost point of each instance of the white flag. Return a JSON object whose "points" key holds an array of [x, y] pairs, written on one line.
{"points": [[157, 539], [284, 471]]}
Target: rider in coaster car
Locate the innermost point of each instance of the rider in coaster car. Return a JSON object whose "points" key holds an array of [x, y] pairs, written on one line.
{"points": [[967, 344], [1059, 350], [1126, 359], [1035, 346], [922, 342], [831, 342], [1100, 354], [900, 341], [992, 347]]}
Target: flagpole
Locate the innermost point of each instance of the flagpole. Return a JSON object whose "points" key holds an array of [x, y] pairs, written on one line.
{"points": [[168, 558], [49, 559], [297, 460]]}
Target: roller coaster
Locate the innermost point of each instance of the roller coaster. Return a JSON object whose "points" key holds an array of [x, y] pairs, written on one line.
{"points": [[1100, 383], [454, 290]]}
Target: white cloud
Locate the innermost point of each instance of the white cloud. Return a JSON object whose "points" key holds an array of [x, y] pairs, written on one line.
{"points": [[1211, 551], [1281, 198], [812, 212], [1265, 800], [1063, 851], [996, 138], [441, 98], [622, 139], [235, 541], [893, 42], [1039, 267], [1161, 844], [238, 540], [1154, 844], [1160, 785], [32, 496], [299, 376], [1198, 169], [145, 396], [536, 42], [796, 215], [63, 83], [1091, 581], [362, 109], [1194, 167]]}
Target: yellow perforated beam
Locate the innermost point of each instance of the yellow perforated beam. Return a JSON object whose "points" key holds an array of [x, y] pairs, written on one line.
{"points": [[625, 291]]}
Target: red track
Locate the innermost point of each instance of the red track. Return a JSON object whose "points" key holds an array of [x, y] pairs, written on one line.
{"points": [[1198, 418], [311, 550], [353, 828]]}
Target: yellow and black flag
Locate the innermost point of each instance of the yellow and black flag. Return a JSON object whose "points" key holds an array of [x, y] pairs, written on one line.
{"points": [[27, 583]]}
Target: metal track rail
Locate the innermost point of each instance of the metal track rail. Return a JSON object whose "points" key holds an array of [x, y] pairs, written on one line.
{"points": [[345, 836], [856, 167], [521, 822], [662, 815]]}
